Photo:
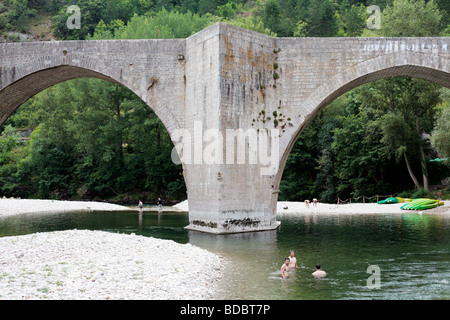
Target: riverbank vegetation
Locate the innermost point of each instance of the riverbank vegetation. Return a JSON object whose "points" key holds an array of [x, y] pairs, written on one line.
{"points": [[91, 139]]}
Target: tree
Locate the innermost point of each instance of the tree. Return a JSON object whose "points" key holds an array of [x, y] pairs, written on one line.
{"points": [[359, 163], [19, 11], [92, 12], [9, 139], [207, 6], [300, 29], [444, 8], [321, 19], [326, 180], [299, 175], [292, 11], [440, 137], [161, 25], [272, 15], [411, 18], [253, 23], [403, 109], [419, 19], [351, 20]]}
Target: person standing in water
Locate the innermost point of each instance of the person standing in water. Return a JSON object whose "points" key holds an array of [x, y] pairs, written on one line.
{"points": [[292, 260], [319, 273], [159, 203], [285, 269]]}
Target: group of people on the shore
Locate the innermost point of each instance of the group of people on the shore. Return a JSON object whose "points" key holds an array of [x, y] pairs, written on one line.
{"points": [[159, 203], [290, 263], [314, 201]]}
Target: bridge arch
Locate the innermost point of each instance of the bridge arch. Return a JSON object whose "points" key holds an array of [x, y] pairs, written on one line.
{"points": [[428, 67], [25, 80], [20, 82]]}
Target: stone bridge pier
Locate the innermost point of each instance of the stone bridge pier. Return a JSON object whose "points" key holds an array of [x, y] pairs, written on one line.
{"points": [[233, 101]]}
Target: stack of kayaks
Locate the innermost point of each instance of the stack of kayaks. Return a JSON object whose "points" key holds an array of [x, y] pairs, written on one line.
{"points": [[393, 200], [422, 204]]}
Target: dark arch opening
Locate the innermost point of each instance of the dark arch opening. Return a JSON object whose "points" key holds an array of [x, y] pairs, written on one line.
{"points": [[20, 91], [435, 76]]}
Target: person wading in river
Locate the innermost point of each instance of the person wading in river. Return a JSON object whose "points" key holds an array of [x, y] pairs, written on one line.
{"points": [[159, 203], [285, 269], [292, 261], [319, 273]]}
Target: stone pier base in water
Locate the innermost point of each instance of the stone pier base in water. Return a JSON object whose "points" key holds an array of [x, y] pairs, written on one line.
{"points": [[236, 226]]}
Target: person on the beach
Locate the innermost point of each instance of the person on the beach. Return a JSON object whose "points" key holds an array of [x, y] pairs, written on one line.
{"points": [[319, 273], [285, 269], [141, 205], [307, 203], [315, 202], [292, 260]]}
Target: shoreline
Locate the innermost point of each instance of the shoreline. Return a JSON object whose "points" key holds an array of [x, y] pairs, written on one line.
{"points": [[10, 207], [20, 206], [297, 208], [355, 208]]}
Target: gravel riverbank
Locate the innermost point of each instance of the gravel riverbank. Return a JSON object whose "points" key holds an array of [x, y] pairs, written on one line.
{"points": [[84, 265], [18, 206], [295, 208], [290, 208]]}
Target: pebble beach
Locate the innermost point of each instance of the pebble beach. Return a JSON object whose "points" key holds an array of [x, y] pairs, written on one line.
{"points": [[284, 208], [96, 265], [20, 206], [298, 208]]}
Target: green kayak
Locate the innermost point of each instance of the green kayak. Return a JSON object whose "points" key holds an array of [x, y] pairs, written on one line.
{"points": [[422, 204], [393, 200]]}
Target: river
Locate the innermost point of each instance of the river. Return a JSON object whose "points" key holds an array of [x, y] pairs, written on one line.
{"points": [[408, 254]]}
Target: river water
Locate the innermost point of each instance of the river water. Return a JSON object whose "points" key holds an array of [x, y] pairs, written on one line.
{"points": [[409, 252]]}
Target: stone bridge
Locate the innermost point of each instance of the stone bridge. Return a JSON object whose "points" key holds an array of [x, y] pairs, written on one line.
{"points": [[221, 83]]}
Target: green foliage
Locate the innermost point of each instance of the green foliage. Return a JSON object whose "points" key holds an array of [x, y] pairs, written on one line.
{"points": [[300, 29], [285, 18], [351, 20], [440, 137], [8, 141], [411, 18], [161, 25], [321, 19], [272, 15], [359, 164], [250, 23], [16, 14], [91, 11], [421, 193], [444, 8], [228, 10], [403, 109], [298, 180]]}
